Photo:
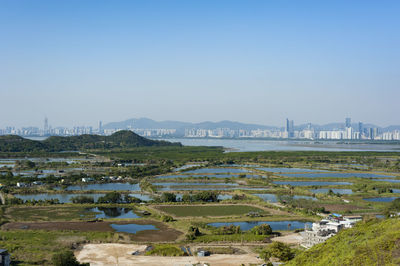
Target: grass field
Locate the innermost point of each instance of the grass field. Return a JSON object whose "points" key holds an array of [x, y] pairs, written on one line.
{"points": [[48, 213], [209, 210], [37, 247]]}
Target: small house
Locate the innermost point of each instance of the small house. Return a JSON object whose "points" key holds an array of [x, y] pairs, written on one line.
{"points": [[5, 259], [203, 253]]}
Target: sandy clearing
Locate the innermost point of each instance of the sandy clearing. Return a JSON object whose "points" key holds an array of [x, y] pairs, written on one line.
{"points": [[289, 239], [120, 254]]}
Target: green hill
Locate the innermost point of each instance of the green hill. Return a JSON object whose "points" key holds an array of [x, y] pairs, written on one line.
{"points": [[120, 139], [375, 242]]}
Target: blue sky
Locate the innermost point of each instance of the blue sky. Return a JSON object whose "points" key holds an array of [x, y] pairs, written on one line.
{"points": [[78, 62]]}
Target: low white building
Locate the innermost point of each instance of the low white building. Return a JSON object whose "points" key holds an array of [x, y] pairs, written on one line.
{"points": [[326, 228]]}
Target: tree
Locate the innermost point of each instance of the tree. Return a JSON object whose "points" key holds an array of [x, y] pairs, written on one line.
{"points": [[111, 197], [187, 198], [82, 199], [206, 196], [277, 250], [130, 199], [167, 218], [66, 258], [262, 229], [168, 197]]}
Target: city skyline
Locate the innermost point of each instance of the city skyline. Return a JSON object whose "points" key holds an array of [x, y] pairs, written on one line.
{"points": [[257, 62], [224, 129]]}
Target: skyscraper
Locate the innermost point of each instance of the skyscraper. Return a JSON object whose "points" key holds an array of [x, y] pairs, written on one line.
{"points": [[287, 125], [100, 127], [360, 127], [348, 122], [290, 128], [46, 125]]}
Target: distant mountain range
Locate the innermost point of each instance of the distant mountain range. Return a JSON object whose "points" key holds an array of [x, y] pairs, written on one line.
{"points": [[120, 139], [146, 123]]}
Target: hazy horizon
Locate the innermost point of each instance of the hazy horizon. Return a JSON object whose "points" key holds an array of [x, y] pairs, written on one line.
{"points": [[259, 62]]}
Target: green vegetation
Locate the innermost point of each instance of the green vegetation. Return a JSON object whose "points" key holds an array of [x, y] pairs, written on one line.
{"points": [[262, 229], [243, 237], [66, 258], [277, 250], [120, 139], [48, 213], [393, 208], [209, 210], [111, 197], [373, 242], [37, 247], [227, 230], [167, 218], [82, 199], [219, 250], [165, 250]]}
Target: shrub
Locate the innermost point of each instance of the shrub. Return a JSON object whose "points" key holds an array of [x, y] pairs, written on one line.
{"points": [[168, 197], [167, 218], [111, 197], [277, 250], [82, 199], [262, 229], [66, 258], [228, 230], [166, 250]]}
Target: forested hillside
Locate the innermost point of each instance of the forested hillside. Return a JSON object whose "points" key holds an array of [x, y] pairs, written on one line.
{"points": [[120, 139]]}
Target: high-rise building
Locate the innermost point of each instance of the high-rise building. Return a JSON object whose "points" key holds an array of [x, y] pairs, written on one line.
{"points": [[46, 125], [287, 125], [371, 133], [348, 122], [100, 127], [289, 128], [360, 128]]}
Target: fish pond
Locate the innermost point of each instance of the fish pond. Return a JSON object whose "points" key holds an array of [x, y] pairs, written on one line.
{"points": [[66, 198], [334, 190], [288, 170], [217, 170], [114, 212], [310, 183], [384, 199], [337, 175], [132, 228], [273, 198], [106, 187]]}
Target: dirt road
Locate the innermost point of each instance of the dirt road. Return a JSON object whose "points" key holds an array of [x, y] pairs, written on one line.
{"points": [[120, 254]]}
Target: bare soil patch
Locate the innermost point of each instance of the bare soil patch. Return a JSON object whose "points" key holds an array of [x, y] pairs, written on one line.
{"points": [[121, 254]]}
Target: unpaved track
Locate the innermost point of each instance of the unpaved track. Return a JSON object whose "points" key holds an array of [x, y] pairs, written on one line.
{"points": [[120, 254]]}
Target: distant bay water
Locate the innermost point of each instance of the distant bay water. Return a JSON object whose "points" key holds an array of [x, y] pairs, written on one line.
{"points": [[241, 145]]}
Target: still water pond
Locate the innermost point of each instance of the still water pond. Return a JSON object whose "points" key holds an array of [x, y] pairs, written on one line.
{"points": [[114, 212], [385, 199], [337, 175], [107, 186], [66, 198], [334, 190], [217, 170], [133, 228], [289, 170], [273, 198], [387, 180], [310, 183]]}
